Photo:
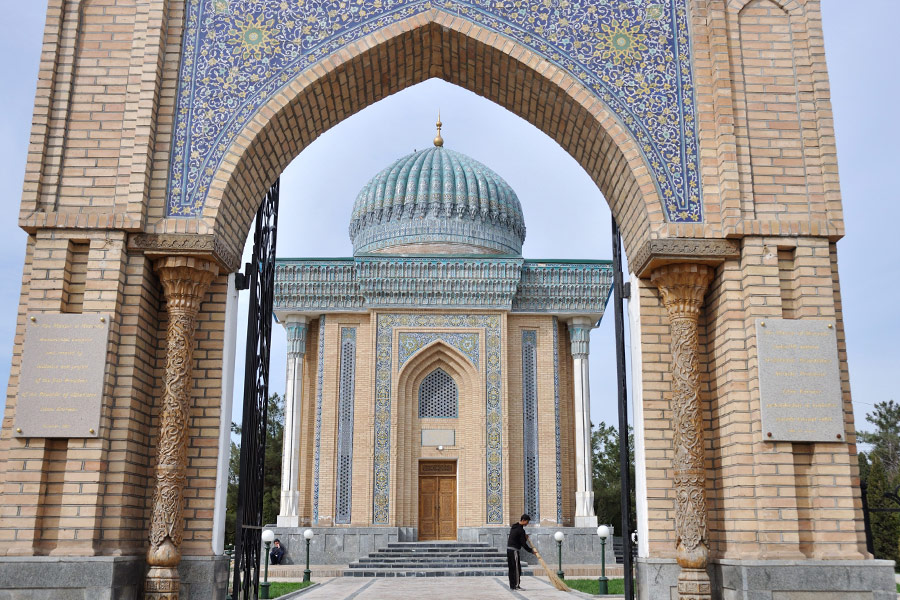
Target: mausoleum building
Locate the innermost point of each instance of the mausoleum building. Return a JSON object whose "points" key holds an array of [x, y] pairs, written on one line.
{"points": [[437, 382]]}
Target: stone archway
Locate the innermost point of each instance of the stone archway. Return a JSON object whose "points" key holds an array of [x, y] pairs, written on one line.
{"points": [[155, 256]]}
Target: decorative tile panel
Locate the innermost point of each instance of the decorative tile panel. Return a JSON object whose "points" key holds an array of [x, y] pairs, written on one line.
{"points": [[556, 422], [411, 342], [635, 55], [491, 325], [530, 424], [320, 378], [345, 426]]}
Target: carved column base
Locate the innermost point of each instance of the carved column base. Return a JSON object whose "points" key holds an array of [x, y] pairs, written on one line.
{"points": [[693, 584], [162, 583]]}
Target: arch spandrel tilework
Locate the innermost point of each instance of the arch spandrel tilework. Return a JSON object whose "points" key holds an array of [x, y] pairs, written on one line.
{"points": [[634, 54], [491, 326], [410, 342]]}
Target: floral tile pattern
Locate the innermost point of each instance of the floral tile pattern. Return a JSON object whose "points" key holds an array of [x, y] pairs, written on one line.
{"points": [[634, 54], [411, 342]]}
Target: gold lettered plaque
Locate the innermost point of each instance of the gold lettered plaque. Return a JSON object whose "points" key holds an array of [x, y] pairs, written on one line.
{"points": [[799, 381], [61, 382]]}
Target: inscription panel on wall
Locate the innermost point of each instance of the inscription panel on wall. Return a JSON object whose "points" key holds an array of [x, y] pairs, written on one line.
{"points": [[61, 383], [799, 381]]}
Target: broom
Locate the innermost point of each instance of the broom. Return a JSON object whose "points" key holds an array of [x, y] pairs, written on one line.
{"points": [[554, 578]]}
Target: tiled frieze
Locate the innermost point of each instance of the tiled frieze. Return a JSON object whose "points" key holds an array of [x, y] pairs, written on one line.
{"points": [[504, 283], [491, 326], [635, 55]]}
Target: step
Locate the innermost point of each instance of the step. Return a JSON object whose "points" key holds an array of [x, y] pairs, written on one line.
{"points": [[436, 552], [465, 572], [430, 565], [443, 545]]}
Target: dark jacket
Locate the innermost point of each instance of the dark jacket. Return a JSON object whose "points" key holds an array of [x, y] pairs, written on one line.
{"points": [[276, 555], [517, 538]]}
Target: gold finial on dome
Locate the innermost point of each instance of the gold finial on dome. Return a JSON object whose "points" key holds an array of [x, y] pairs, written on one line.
{"points": [[438, 140]]}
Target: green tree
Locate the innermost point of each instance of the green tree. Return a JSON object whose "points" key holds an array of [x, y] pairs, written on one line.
{"points": [[606, 480], [271, 470], [879, 468], [885, 525], [885, 440]]}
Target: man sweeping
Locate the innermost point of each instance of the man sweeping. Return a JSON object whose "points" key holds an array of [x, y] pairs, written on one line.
{"points": [[517, 541]]}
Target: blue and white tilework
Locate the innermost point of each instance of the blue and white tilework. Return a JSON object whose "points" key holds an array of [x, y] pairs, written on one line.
{"points": [[635, 55], [556, 413], [410, 342], [320, 378], [491, 325]]}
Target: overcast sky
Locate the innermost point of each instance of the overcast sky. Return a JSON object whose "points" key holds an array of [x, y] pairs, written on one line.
{"points": [[565, 214]]}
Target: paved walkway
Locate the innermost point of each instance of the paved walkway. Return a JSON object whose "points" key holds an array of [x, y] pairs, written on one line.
{"points": [[434, 588]]}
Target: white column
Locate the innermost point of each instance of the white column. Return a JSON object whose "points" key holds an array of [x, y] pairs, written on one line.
{"points": [[637, 402], [288, 515], [580, 338], [228, 350]]}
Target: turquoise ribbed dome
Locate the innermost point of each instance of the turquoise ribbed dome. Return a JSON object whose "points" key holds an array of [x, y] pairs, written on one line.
{"points": [[437, 196]]}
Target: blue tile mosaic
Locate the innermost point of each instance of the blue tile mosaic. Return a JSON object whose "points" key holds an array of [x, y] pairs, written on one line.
{"points": [[411, 342], [635, 55]]}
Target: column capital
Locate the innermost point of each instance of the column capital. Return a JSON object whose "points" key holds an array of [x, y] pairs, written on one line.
{"points": [[580, 336], [185, 280], [295, 326], [683, 287]]}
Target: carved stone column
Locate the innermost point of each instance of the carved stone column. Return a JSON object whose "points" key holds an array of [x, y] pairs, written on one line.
{"points": [[288, 515], [580, 339], [185, 281], [683, 287]]}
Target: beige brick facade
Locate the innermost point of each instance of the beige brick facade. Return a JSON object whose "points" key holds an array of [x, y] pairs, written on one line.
{"points": [[95, 188]]}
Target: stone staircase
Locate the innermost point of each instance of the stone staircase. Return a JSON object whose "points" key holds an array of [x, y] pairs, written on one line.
{"points": [[433, 559]]}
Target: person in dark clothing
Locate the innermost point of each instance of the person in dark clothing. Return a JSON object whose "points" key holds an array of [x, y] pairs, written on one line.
{"points": [[277, 553], [517, 541]]}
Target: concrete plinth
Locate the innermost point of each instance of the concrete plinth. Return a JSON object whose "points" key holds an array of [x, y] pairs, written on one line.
{"points": [[580, 546], [775, 579], [338, 545], [103, 577]]}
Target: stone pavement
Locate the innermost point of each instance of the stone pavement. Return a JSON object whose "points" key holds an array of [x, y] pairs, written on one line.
{"points": [[434, 588]]}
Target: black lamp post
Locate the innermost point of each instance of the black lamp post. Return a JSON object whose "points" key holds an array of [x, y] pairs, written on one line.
{"points": [[308, 535], [229, 552], [558, 536], [603, 531], [268, 536]]}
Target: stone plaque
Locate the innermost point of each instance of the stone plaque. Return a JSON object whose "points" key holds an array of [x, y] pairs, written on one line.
{"points": [[799, 381], [438, 437], [61, 383]]}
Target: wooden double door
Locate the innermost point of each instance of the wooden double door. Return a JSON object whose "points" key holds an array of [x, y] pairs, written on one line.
{"points": [[437, 500]]}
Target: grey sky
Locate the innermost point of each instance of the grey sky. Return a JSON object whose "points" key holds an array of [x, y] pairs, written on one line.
{"points": [[565, 214]]}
